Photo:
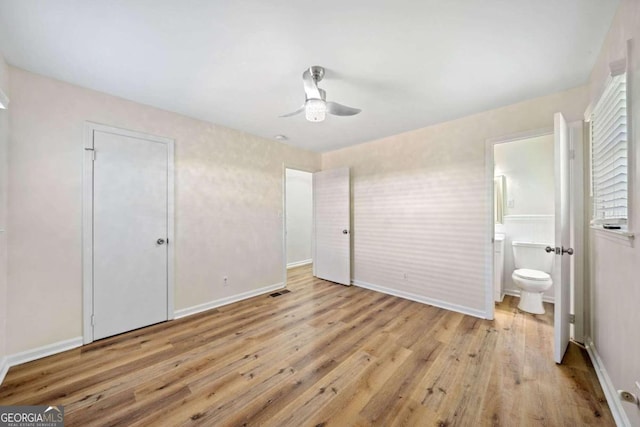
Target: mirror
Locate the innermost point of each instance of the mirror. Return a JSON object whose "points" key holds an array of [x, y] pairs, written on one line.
{"points": [[498, 198]]}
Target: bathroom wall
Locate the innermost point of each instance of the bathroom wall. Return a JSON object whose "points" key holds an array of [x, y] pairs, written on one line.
{"points": [[299, 217], [528, 167]]}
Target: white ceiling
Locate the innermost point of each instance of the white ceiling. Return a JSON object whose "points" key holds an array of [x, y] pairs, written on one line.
{"points": [[406, 63]]}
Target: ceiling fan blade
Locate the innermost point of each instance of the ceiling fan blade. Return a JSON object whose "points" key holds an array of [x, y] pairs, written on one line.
{"points": [[298, 111], [310, 86], [341, 110]]}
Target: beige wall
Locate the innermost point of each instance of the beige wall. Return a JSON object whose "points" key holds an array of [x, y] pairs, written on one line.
{"points": [[4, 143], [420, 208], [614, 272], [228, 204]]}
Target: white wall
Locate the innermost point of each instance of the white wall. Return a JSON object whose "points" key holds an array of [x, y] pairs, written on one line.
{"points": [[420, 202], [228, 204], [528, 167], [4, 144], [615, 263], [299, 216]]}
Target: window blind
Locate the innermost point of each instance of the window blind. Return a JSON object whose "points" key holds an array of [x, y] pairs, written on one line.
{"points": [[609, 154]]}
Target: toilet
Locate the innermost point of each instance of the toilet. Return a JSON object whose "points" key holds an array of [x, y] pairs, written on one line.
{"points": [[532, 274]]}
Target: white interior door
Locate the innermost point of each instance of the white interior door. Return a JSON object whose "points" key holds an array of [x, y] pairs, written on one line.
{"points": [[130, 229], [562, 302], [332, 231]]}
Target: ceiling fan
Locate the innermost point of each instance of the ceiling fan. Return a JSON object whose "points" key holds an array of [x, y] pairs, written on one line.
{"points": [[315, 105]]}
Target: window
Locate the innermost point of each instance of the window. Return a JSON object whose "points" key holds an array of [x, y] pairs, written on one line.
{"points": [[609, 147]]}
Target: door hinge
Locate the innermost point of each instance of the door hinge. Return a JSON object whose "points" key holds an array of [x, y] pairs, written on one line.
{"points": [[93, 320], [572, 319], [93, 153], [572, 154]]}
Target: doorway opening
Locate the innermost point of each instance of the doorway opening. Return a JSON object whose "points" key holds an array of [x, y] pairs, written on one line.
{"points": [[298, 218], [524, 211], [536, 199]]}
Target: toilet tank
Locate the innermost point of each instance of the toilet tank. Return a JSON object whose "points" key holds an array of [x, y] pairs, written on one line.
{"points": [[532, 255]]}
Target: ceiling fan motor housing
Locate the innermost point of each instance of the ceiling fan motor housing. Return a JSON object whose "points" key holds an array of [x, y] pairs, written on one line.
{"points": [[317, 72]]}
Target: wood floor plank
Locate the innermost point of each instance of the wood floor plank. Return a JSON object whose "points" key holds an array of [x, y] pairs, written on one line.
{"points": [[322, 355]]}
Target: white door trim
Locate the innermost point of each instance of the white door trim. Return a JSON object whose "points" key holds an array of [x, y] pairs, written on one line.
{"points": [[87, 220], [577, 145], [490, 228]]}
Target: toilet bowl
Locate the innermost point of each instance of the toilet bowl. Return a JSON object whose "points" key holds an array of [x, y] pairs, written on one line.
{"points": [[532, 274], [532, 284]]}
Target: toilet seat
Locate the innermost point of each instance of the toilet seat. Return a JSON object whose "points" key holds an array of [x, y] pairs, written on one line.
{"points": [[528, 274]]}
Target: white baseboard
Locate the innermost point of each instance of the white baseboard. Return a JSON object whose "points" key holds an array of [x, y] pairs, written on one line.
{"points": [[516, 293], [299, 263], [58, 347], [44, 351], [183, 312], [422, 299], [36, 353], [4, 368], [610, 391]]}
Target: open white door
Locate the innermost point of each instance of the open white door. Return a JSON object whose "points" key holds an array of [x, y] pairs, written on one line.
{"points": [[332, 217], [562, 229]]}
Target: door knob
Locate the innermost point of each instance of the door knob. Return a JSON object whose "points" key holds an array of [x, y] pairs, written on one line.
{"points": [[549, 249], [160, 241], [567, 251], [345, 231]]}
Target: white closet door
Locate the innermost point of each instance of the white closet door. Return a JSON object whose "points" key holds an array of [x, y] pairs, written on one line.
{"points": [[332, 231], [130, 220], [562, 303]]}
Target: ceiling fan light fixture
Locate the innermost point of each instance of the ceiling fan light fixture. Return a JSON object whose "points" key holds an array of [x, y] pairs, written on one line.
{"points": [[315, 110], [315, 106]]}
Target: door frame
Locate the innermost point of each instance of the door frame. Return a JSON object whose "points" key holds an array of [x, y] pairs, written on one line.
{"points": [[576, 177], [87, 219], [577, 147], [286, 166]]}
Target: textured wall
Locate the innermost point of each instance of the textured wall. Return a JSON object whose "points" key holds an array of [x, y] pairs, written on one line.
{"points": [[299, 215], [229, 199], [420, 208], [614, 270]]}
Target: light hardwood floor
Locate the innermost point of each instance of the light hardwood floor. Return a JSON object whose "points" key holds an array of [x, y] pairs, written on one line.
{"points": [[321, 355]]}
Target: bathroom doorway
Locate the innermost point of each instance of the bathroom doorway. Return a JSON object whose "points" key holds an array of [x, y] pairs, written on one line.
{"points": [[524, 206], [534, 217]]}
